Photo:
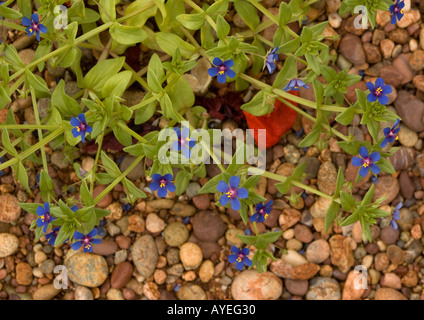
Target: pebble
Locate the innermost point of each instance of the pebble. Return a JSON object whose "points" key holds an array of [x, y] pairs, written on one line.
{"points": [[154, 223], [123, 242], [83, 293], [296, 287], [175, 234], [321, 288], [46, 292], [23, 274], [136, 223], [145, 255], [191, 255], [58, 158], [114, 294], [389, 235], [350, 292], [40, 257], [105, 248], [191, 292], [9, 243], [288, 218], [293, 258], [341, 252], [312, 166], [198, 78], [407, 189], [391, 280], [159, 204], [351, 48], [85, 269], [303, 233], [202, 201], [206, 271], [231, 236], [251, 285], [318, 251], [388, 294], [320, 207], [387, 186], [407, 137], [106, 200], [327, 178], [150, 291], [192, 189], [208, 226], [116, 211], [9, 208], [411, 110], [121, 275], [183, 209]]}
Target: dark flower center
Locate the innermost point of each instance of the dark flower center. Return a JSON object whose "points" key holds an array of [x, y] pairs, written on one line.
{"points": [[55, 232], [240, 256], [162, 182], [378, 91], [83, 126], [232, 193], [35, 26], [366, 162], [86, 240], [262, 211], [222, 68], [47, 217]]}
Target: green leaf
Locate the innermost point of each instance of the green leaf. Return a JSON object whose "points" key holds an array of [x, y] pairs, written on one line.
{"points": [[210, 186], [96, 78], [180, 93], [38, 83], [368, 196], [339, 183], [116, 85], [271, 237], [168, 42], [192, 21], [249, 240], [7, 144], [351, 219], [110, 165], [346, 117], [347, 200], [386, 166], [86, 197], [247, 12], [222, 28], [311, 138], [288, 72], [313, 62], [145, 9], [9, 13], [259, 105], [182, 179], [284, 187], [63, 103], [46, 185], [373, 128], [251, 182], [127, 35], [30, 207], [144, 113], [285, 14], [331, 214]]}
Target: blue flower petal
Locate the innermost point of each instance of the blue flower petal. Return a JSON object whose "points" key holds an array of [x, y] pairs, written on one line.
{"points": [[78, 235], [240, 265], [383, 99], [371, 97], [223, 200], [384, 143], [77, 245], [363, 152], [213, 71], [247, 262], [170, 186], [232, 258], [43, 28], [235, 204], [81, 118], [162, 192], [254, 217], [35, 18], [92, 233], [229, 63], [379, 83], [222, 186], [375, 169], [96, 241], [156, 177], [75, 122], [234, 182], [217, 62], [245, 251], [234, 249], [221, 78], [375, 156], [230, 73], [370, 86], [26, 22], [357, 162], [399, 205], [363, 172], [242, 193], [168, 177], [41, 211]]}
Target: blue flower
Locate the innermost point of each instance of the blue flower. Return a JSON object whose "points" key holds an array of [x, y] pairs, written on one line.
{"points": [[271, 59], [366, 162], [81, 127], [51, 237], [240, 257], [262, 212], [162, 184], [379, 91], [222, 69], [44, 216], [390, 135], [232, 192], [397, 11], [85, 240], [396, 216], [100, 230], [34, 25], [295, 84], [183, 143]]}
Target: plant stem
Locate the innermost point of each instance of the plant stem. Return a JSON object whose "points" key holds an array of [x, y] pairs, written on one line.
{"points": [[117, 180], [132, 133], [33, 148]]}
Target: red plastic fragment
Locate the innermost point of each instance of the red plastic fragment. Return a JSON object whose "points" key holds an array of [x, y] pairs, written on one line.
{"points": [[276, 124]]}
